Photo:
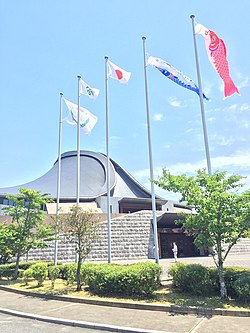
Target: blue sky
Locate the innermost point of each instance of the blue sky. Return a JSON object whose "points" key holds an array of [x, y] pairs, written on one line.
{"points": [[46, 44]]}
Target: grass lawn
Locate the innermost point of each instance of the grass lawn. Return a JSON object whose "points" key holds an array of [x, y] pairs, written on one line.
{"points": [[164, 295]]}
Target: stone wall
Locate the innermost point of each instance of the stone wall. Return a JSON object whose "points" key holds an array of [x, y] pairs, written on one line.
{"points": [[242, 246], [131, 238]]}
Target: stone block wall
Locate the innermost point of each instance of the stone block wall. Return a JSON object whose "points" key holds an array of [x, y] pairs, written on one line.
{"points": [[131, 238]]}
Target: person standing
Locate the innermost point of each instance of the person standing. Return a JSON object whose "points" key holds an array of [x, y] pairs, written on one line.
{"points": [[175, 251]]}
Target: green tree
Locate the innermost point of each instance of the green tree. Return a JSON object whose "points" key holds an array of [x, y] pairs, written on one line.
{"points": [[26, 229], [81, 227], [7, 237], [221, 213]]}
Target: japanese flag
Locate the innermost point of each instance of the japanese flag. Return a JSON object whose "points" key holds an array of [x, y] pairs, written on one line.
{"points": [[117, 73]]}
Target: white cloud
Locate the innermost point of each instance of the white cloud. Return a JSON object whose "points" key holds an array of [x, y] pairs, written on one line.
{"points": [[239, 161], [233, 107], [158, 117], [223, 141], [211, 119], [244, 81], [207, 88], [245, 124], [238, 164], [245, 107], [189, 130], [173, 101]]}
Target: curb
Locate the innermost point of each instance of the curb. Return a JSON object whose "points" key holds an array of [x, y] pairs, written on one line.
{"points": [[138, 306], [77, 323]]}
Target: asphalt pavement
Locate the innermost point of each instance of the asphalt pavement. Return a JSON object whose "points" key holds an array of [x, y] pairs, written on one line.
{"points": [[128, 317]]}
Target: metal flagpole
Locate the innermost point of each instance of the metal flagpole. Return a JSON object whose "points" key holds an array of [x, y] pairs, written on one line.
{"points": [[58, 181], [201, 100], [150, 156], [78, 146], [108, 161]]}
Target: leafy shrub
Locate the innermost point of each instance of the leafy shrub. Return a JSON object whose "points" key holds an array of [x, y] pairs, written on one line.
{"points": [[69, 273], [194, 278], [7, 270], [231, 274], [27, 276], [242, 286], [61, 271], [39, 272], [53, 272], [138, 279]]}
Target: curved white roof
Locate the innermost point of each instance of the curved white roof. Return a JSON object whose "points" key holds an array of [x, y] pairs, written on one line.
{"points": [[93, 179]]}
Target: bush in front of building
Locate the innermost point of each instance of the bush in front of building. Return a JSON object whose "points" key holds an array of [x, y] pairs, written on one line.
{"points": [[200, 280], [39, 272], [54, 273], [242, 286], [232, 274], [27, 276], [135, 279], [69, 273], [7, 270], [192, 278]]}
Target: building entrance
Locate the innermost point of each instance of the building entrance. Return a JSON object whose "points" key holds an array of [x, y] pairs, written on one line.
{"points": [[186, 247]]}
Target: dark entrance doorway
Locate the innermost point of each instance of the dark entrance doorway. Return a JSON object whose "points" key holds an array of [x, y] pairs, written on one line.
{"points": [[186, 247]]}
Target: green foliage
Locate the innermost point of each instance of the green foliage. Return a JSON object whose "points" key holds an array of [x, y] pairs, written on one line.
{"points": [[81, 227], [221, 215], [26, 230], [242, 286], [6, 272], [136, 279], [54, 272], [39, 272], [194, 279], [69, 273], [27, 275], [7, 237]]}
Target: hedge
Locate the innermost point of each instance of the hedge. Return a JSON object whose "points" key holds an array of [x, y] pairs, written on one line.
{"points": [[135, 279], [200, 280], [194, 279]]}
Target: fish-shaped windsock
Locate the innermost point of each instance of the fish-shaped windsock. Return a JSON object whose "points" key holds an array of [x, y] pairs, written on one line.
{"points": [[174, 74], [217, 55]]}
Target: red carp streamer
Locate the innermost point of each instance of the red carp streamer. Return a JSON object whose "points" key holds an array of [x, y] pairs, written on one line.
{"points": [[217, 55]]}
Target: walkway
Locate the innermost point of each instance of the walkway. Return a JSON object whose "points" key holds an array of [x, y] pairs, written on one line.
{"points": [[120, 319]]}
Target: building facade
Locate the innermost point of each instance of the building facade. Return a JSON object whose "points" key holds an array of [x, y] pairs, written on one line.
{"points": [[130, 206]]}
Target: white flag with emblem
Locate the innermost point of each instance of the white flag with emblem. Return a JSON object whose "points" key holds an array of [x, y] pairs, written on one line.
{"points": [[87, 119], [85, 89]]}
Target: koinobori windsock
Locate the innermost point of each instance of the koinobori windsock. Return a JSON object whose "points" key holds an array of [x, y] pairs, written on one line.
{"points": [[217, 55], [174, 74]]}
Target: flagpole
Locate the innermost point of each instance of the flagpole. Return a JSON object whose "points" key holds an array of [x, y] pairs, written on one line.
{"points": [[150, 156], [78, 146], [58, 181], [108, 161], [201, 100]]}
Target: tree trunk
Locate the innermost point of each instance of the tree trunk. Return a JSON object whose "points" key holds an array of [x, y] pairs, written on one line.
{"points": [[78, 274], [16, 267], [223, 288]]}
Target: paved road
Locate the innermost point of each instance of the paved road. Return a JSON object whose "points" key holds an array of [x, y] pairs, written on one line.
{"points": [[13, 324], [120, 319]]}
